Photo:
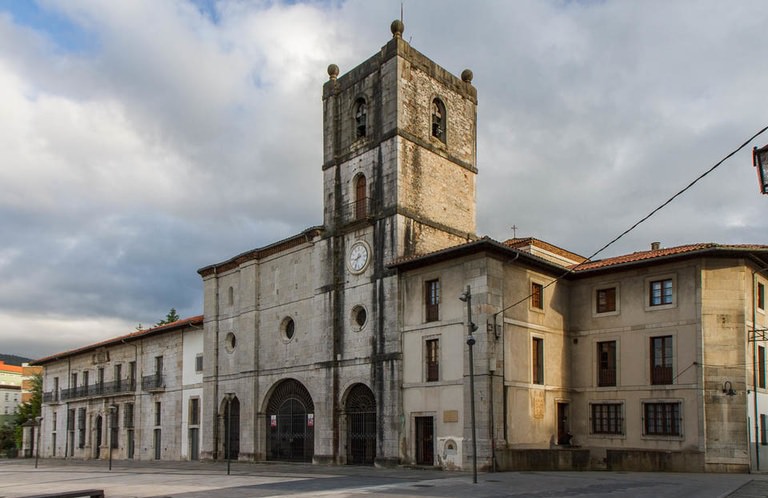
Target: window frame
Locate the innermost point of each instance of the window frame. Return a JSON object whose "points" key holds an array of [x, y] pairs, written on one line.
{"points": [[361, 130], [537, 361], [760, 298], [432, 300], [596, 309], [536, 302], [761, 367], [606, 419], [432, 359], [662, 377], [199, 363], [663, 303], [604, 380], [676, 426], [194, 411]]}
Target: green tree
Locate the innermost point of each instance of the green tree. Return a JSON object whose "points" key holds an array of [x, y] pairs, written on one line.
{"points": [[171, 317], [30, 409]]}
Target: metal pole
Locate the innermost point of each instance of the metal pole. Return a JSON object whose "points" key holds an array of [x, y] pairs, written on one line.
{"points": [[754, 369], [467, 297], [37, 446], [111, 432]]}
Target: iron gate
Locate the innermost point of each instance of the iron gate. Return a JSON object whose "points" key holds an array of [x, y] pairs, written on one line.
{"points": [[291, 423], [361, 426]]}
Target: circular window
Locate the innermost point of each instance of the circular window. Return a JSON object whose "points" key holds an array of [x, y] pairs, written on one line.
{"points": [[359, 317], [288, 328], [230, 342]]}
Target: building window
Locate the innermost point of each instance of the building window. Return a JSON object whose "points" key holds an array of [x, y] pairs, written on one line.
{"points": [[761, 367], [194, 411], [607, 418], [537, 360], [537, 296], [132, 375], [81, 427], [662, 419], [128, 415], [606, 300], [288, 328], [432, 299], [158, 366], [198, 363], [660, 292], [118, 374], [661, 360], [55, 389], [361, 197], [114, 426], [231, 296], [158, 413], [606, 372], [100, 380], [361, 118], [763, 433], [761, 296], [432, 359], [438, 119]]}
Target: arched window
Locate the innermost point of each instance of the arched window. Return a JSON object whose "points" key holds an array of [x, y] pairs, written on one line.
{"points": [[361, 198], [361, 118], [438, 119]]}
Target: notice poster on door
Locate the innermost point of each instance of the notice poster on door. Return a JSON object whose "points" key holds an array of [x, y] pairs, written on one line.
{"points": [[273, 421], [310, 419]]}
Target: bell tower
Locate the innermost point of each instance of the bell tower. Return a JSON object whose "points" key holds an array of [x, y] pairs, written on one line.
{"points": [[399, 170], [400, 147]]}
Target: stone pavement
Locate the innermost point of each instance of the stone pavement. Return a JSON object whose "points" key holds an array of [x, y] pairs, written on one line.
{"points": [[19, 478]]}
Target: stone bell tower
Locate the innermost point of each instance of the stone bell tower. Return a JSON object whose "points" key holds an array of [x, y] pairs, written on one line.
{"points": [[399, 172]]}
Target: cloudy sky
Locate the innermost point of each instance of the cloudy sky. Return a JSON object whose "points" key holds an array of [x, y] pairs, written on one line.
{"points": [[141, 140]]}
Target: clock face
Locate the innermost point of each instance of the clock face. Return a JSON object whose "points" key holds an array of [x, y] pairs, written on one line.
{"points": [[358, 257]]}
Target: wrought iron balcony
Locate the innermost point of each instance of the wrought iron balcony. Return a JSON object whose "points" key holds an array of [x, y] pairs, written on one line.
{"points": [[357, 211], [155, 382], [122, 386]]}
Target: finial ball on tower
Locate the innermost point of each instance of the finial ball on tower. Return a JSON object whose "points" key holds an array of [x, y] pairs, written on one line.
{"points": [[397, 28], [467, 75], [333, 71]]}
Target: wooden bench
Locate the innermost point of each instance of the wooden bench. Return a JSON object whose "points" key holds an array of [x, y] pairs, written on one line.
{"points": [[83, 493]]}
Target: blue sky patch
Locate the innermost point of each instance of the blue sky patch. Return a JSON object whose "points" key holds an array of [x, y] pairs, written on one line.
{"points": [[59, 29]]}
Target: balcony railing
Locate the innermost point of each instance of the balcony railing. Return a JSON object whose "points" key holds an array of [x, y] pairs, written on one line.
{"points": [[357, 211], [94, 391], [606, 377], [154, 382], [661, 375], [51, 397]]}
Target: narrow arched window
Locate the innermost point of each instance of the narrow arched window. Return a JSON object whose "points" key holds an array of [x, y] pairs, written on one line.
{"points": [[438, 119], [361, 198], [361, 118]]}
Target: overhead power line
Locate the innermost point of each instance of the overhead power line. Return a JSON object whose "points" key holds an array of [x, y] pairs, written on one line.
{"points": [[643, 219]]}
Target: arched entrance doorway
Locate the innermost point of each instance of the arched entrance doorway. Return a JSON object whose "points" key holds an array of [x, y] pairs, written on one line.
{"points": [[360, 410], [290, 423], [231, 422]]}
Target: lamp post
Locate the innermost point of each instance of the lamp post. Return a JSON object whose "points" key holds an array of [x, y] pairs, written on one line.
{"points": [[228, 432], [38, 421], [112, 411], [760, 161], [466, 297]]}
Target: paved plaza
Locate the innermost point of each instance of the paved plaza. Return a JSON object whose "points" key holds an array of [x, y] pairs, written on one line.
{"points": [[19, 478]]}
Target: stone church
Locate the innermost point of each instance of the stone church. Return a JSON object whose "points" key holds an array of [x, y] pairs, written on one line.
{"points": [[302, 336]]}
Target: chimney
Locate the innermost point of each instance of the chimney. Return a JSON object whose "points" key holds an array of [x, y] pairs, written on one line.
{"points": [[655, 246]]}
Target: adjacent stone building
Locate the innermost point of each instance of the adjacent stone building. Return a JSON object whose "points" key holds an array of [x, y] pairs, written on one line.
{"points": [[141, 391]]}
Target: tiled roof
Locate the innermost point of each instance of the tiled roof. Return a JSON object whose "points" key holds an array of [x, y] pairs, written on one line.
{"points": [[139, 334], [664, 252], [9, 368], [533, 241]]}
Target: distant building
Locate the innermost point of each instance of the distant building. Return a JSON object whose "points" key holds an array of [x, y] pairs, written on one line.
{"points": [[10, 390], [142, 391]]}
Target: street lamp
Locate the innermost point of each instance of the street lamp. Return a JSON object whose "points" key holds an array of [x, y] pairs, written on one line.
{"points": [[112, 411], [38, 421], [228, 434], [466, 297], [760, 161]]}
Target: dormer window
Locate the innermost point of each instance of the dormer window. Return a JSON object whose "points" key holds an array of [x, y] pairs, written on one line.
{"points": [[361, 118], [438, 119]]}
